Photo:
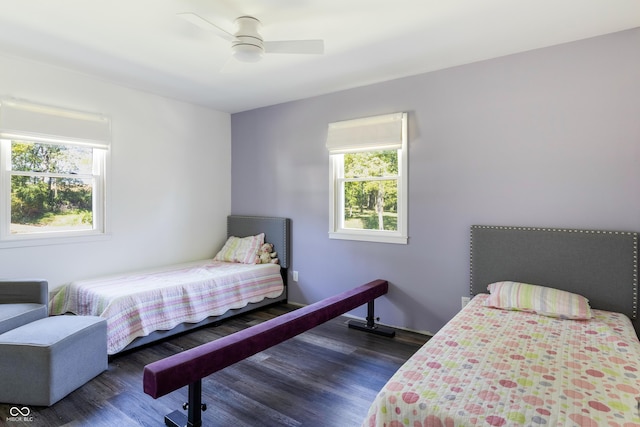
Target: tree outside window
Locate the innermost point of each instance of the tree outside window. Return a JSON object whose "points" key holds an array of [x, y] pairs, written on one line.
{"points": [[371, 190], [51, 187]]}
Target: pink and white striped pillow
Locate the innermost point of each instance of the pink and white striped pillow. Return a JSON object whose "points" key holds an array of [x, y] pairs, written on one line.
{"points": [[241, 249], [538, 299]]}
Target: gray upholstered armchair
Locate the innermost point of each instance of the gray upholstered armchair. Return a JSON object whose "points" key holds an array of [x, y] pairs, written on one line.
{"points": [[22, 302]]}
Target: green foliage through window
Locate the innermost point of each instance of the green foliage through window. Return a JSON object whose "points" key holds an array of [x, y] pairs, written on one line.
{"points": [[51, 187], [371, 190]]}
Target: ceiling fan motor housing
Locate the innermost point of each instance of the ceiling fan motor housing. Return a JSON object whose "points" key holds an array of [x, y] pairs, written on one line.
{"points": [[248, 46]]}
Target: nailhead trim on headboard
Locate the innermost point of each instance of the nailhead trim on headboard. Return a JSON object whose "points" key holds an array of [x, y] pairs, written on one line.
{"points": [[566, 230], [635, 274]]}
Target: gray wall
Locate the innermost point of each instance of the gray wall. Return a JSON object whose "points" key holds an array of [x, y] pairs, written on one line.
{"points": [[549, 137]]}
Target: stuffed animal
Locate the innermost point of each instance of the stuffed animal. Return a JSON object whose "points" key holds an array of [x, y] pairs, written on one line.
{"points": [[266, 255]]}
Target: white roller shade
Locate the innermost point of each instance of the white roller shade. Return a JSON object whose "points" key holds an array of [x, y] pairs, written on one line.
{"points": [[25, 120], [378, 132]]}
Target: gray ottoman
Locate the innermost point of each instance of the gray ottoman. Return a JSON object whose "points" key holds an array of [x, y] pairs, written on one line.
{"points": [[43, 361]]}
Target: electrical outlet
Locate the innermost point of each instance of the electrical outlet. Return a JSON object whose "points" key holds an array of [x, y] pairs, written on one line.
{"points": [[295, 276], [464, 301]]}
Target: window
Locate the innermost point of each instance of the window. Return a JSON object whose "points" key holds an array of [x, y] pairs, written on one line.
{"points": [[368, 189], [52, 173]]}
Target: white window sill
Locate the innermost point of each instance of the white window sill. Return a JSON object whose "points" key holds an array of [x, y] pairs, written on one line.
{"points": [[379, 237], [46, 241]]}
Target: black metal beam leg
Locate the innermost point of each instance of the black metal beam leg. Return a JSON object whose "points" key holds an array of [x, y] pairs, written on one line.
{"points": [[194, 409], [370, 325]]}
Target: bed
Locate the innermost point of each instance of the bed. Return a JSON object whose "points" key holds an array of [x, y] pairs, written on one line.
{"points": [[505, 367], [145, 306]]}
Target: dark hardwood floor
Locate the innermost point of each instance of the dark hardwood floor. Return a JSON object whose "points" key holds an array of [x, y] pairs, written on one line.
{"points": [[325, 377]]}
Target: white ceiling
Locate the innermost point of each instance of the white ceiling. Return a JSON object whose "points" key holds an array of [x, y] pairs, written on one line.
{"points": [[144, 45]]}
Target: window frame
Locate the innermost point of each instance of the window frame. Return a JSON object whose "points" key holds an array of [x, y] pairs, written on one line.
{"points": [[23, 121], [98, 199], [336, 197]]}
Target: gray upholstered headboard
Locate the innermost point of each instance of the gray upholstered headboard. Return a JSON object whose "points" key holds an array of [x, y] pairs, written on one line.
{"points": [[600, 265], [276, 230]]}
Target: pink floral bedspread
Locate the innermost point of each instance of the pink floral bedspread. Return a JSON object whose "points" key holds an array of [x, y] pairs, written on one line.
{"points": [[139, 303], [489, 367]]}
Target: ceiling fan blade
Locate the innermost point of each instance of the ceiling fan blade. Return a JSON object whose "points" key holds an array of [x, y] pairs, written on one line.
{"points": [[207, 25], [295, 46]]}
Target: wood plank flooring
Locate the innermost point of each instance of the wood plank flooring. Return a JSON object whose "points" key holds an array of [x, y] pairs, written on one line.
{"points": [[325, 377]]}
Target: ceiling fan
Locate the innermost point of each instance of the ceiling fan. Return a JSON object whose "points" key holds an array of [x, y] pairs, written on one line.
{"points": [[247, 45]]}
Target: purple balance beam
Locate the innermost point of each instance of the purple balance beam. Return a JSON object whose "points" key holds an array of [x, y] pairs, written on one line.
{"points": [[169, 374]]}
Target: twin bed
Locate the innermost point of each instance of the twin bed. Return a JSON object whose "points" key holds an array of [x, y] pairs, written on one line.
{"points": [[146, 306], [504, 364]]}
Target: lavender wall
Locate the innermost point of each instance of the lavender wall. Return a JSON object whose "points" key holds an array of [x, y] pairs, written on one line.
{"points": [[549, 137]]}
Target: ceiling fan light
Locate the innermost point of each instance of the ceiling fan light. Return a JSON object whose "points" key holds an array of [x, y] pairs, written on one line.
{"points": [[247, 52]]}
